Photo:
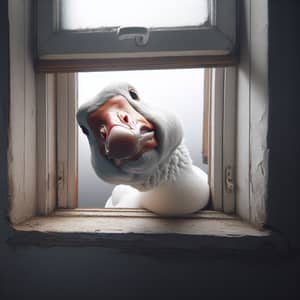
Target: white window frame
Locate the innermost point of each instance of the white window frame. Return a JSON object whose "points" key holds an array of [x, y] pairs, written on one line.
{"points": [[220, 88], [214, 43]]}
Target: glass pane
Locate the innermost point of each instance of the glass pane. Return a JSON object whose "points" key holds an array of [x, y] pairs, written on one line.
{"points": [[178, 90], [91, 14]]}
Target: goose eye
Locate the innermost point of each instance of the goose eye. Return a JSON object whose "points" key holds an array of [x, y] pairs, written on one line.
{"points": [[84, 130], [133, 94]]}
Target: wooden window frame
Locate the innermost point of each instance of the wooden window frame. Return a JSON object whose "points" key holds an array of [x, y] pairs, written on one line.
{"points": [[220, 93], [74, 51], [28, 190]]}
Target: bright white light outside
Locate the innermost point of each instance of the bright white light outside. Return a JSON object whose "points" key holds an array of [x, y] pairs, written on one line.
{"points": [[178, 90], [91, 14]]}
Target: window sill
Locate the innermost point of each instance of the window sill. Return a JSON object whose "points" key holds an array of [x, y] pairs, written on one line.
{"points": [[206, 232]]}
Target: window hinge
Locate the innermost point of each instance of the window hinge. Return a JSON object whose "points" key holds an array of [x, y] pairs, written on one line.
{"points": [[60, 176], [229, 182]]}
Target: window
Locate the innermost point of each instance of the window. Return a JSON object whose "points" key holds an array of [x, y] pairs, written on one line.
{"points": [[222, 90], [36, 179], [206, 35], [70, 40], [216, 86], [94, 15]]}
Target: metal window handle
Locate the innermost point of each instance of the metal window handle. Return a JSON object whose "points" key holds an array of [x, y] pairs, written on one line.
{"points": [[140, 34]]}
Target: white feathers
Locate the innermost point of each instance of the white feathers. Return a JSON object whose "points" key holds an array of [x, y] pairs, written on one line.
{"points": [[175, 188], [163, 179]]}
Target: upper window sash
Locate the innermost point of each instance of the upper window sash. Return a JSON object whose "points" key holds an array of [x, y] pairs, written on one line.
{"points": [[216, 38]]}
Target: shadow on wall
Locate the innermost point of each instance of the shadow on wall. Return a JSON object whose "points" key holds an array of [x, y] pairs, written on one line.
{"points": [[283, 199]]}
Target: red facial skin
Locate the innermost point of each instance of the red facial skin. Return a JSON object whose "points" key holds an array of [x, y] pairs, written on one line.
{"points": [[116, 111]]}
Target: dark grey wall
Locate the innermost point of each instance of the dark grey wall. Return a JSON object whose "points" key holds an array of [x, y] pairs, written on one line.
{"points": [[99, 273], [4, 102], [284, 120], [95, 273]]}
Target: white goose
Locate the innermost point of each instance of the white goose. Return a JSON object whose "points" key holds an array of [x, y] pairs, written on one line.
{"points": [[139, 147]]}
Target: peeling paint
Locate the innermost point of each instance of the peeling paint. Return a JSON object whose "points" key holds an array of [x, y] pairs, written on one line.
{"points": [[259, 112]]}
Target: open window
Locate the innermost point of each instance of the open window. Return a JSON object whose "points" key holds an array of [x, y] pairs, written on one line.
{"points": [[206, 105], [56, 80], [45, 92], [74, 36]]}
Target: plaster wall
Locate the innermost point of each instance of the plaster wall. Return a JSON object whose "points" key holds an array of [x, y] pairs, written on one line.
{"points": [[252, 112], [284, 122]]}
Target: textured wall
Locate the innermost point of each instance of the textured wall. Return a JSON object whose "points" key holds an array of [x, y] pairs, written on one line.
{"points": [[4, 109], [284, 124], [252, 112], [95, 273]]}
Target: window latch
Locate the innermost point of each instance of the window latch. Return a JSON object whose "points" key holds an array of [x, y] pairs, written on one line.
{"points": [[140, 34]]}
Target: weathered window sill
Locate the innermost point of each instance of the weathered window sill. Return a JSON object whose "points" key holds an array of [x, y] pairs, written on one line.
{"points": [[140, 230]]}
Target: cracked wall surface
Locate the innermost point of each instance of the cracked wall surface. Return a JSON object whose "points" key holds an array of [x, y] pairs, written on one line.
{"points": [[253, 109]]}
